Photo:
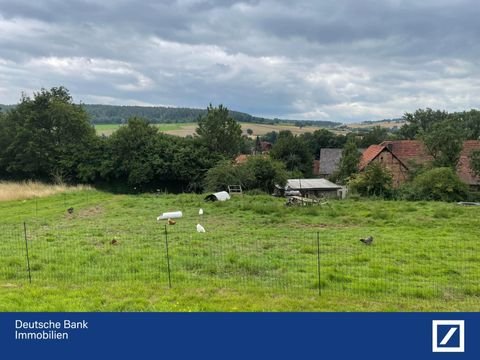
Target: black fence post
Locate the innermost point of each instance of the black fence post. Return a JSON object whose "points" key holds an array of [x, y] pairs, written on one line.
{"points": [[26, 252], [318, 264], [168, 258]]}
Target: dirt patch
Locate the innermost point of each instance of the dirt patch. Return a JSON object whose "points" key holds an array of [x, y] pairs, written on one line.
{"points": [[90, 212]]}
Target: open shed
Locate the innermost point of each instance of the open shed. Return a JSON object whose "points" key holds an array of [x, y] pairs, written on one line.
{"points": [[311, 188]]}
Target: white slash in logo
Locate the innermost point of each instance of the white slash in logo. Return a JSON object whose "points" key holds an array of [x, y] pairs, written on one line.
{"points": [[448, 336]]}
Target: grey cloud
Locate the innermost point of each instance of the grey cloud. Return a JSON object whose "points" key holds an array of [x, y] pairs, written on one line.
{"points": [[338, 60]]}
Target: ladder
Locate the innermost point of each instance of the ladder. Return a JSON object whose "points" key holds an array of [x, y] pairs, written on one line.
{"points": [[235, 189]]}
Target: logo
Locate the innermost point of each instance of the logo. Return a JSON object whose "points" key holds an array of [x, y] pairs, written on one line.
{"points": [[448, 336]]}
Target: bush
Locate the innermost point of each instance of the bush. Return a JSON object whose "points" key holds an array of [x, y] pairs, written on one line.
{"points": [[376, 180], [257, 173], [441, 184]]}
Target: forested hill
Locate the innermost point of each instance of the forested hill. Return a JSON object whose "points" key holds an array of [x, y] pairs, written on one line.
{"points": [[112, 114]]}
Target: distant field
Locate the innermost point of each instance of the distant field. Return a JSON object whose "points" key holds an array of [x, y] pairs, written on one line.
{"points": [[256, 255], [185, 129], [383, 124]]}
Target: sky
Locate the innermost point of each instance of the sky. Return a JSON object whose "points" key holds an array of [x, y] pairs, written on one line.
{"points": [[337, 60]]}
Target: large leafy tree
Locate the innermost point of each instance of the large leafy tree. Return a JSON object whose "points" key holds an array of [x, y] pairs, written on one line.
{"points": [[219, 131], [444, 141], [349, 161], [45, 137], [293, 152], [134, 154], [420, 121]]}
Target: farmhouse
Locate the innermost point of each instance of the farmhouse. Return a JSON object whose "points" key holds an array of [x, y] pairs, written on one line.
{"points": [[401, 155], [311, 188]]}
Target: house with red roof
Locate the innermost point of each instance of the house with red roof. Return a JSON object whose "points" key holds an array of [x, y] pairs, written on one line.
{"points": [[400, 156]]}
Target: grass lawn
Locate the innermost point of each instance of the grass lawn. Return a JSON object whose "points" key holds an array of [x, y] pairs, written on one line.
{"points": [[256, 255]]}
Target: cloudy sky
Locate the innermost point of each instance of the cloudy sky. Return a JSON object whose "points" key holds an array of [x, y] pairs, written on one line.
{"points": [[339, 60]]}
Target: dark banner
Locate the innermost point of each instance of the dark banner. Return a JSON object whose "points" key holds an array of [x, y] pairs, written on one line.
{"points": [[240, 335]]}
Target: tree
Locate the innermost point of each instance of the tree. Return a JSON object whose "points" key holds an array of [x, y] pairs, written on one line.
{"points": [[374, 136], [135, 154], [376, 180], [349, 161], [250, 132], [293, 152], [420, 122], [271, 137], [444, 141], [440, 184], [45, 137], [257, 172], [219, 131]]}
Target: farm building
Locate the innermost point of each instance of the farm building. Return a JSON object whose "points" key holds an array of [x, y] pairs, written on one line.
{"points": [[400, 155], [310, 188], [328, 161]]}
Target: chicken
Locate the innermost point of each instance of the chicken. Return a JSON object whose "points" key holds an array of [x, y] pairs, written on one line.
{"points": [[367, 240], [200, 228]]}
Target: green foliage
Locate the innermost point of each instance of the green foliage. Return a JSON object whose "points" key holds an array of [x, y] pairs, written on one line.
{"points": [[375, 180], [271, 137], [349, 162], [219, 131], [45, 137], [257, 172], [444, 141], [374, 136], [420, 121], [293, 152], [322, 138], [441, 184]]}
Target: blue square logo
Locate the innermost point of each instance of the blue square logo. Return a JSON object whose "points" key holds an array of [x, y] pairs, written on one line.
{"points": [[448, 336]]}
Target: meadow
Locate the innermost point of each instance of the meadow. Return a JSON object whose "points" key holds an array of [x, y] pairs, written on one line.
{"points": [[257, 254]]}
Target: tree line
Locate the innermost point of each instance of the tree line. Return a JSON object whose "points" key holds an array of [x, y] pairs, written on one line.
{"points": [[48, 137]]}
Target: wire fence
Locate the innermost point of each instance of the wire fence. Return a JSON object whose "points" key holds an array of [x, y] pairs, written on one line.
{"points": [[312, 262]]}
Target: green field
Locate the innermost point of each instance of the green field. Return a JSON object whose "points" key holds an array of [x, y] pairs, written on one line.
{"points": [[256, 255]]}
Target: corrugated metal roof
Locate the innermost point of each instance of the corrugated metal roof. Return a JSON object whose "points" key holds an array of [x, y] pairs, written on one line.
{"points": [[310, 184]]}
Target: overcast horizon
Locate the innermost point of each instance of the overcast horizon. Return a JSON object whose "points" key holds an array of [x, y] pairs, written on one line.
{"points": [[340, 61]]}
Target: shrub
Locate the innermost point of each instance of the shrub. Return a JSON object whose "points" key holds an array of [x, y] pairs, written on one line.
{"points": [[376, 180], [441, 184]]}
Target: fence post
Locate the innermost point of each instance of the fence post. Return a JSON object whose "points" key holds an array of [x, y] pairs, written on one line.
{"points": [[318, 264], [168, 258], [26, 252]]}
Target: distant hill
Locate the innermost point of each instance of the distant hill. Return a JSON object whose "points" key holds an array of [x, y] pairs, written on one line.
{"points": [[113, 114]]}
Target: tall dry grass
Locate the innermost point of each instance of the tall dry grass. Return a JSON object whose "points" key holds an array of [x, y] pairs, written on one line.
{"points": [[31, 189]]}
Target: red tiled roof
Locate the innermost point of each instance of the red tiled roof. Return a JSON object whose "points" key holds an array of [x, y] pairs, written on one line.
{"points": [[408, 151], [369, 154]]}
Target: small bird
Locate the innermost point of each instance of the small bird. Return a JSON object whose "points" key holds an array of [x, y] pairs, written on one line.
{"points": [[200, 212], [70, 210], [200, 228], [171, 221], [114, 242], [367, 241]]}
